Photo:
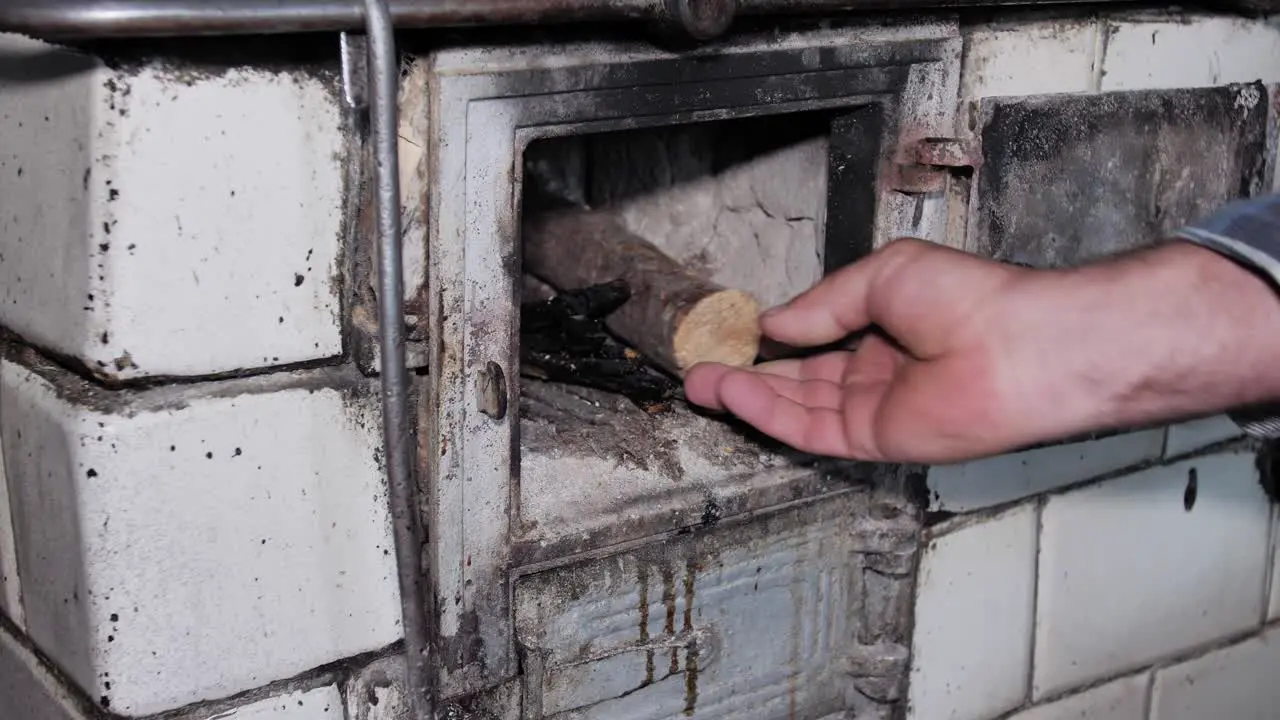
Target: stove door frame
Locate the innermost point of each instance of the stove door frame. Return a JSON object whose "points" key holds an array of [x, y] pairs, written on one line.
{"points": [[483, 106]]}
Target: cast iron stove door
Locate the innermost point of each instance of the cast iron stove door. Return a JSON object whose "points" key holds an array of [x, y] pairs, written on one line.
{"points": [[611, 563]]}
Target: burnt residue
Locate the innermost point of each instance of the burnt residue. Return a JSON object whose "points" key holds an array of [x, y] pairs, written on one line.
{"points": [[564, 339], [1268, 464], [464, 647], [129, 399], [1192, 489], [642, 580], [854, 158], [691, 651], [189, 60], [1070, 178], [669, 604], [71, 372], [692, 568]]}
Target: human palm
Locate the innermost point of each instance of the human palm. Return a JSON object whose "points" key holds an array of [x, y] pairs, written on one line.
{"points": [[919, 386]]}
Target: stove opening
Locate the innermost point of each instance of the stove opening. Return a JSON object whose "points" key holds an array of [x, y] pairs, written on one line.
{"points": [[765, 205]]}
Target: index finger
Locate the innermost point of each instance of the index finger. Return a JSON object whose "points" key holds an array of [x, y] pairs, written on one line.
{"points": [[835, 307]]}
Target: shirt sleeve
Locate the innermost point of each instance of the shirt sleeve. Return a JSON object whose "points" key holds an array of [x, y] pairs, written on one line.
{"points": [[1247, 231]]}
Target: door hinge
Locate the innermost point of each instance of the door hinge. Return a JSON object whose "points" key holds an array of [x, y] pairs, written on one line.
{"points": [[924, 165]]}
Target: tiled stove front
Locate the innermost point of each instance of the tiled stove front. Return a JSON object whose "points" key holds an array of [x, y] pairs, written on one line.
{"points": [[188, 393]]}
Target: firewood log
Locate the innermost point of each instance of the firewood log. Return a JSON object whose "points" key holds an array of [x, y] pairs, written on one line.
{"points": [[675, 317]]}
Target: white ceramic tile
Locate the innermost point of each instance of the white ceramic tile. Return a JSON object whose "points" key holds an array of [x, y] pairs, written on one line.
{"points": [[1031, 59], [1128, 575], [323, 703], [1195, 434], [972, 646], [1237, 682], [168, 220], [28, 690], [992, 481], [1123, 699], [1203, 52], [190, 543], [10, 589], [1274, 612]]}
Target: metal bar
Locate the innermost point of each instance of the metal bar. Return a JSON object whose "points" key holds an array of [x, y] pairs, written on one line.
{"points": [[384, 69], [74, 19], [84, 19]]}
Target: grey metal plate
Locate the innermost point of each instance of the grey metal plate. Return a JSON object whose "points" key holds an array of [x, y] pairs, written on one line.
{"points": [[1070, 178], [781, 617]]}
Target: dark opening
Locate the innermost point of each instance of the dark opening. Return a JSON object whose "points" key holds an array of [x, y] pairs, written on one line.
{"points": [[765, 204]]}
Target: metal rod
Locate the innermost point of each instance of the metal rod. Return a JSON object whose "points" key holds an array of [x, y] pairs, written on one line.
{"points": [[82, 19], [384, 69]]}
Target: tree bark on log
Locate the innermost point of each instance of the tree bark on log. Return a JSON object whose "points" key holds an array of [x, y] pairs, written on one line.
{"points": [[674, 316]]}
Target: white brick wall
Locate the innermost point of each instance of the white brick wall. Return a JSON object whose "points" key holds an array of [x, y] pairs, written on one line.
{"points": [[1128, 559], [1237, 682], [1135, 574], [323, 703], [975, 619], [29, 690], [165, 222], [1105, 54], [187, 544], [1123, 699], [1190, 436], [993, 481], [1175, 53], [1126, 577]]}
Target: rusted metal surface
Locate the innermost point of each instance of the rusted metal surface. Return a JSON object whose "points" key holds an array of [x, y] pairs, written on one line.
{"points": [[1071, 178], [946, 153], [699, 19], [926, 165]]}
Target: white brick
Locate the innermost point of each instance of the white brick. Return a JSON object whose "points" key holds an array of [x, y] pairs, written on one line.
{"points": [[10, 589], [168, 222], [1031, 59], [1237, 682], [322, 703], [972, 647], [28, 690], [1204, 52], [1123, 699], [191, 543], [1001, 479], [1191, 436], [1126, 559]]}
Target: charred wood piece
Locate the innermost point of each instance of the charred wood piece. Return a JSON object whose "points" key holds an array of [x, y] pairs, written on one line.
{"points": [[564, 339]]}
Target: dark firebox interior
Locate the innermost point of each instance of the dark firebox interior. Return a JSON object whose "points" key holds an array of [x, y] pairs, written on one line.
{"points": [[760, 203]]}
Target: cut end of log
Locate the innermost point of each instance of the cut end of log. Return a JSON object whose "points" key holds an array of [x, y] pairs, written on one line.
{"points": [[723, 327]]}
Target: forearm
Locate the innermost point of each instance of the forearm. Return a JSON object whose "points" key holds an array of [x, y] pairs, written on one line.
{"points": [[1157, 335]]}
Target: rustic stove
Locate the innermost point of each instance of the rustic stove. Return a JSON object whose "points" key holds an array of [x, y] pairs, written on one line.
{"points": [[612, 535], [563, 551]]}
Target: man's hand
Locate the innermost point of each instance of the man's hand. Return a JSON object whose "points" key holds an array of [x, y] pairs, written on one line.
{"points": [[970, 357]]}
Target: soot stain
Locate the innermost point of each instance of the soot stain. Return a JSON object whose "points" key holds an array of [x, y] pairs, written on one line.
{"points": [[691, 653], [642, 577]]}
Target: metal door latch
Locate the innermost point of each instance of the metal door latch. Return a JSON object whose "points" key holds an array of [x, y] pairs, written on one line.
{"points": [[925, 165]]}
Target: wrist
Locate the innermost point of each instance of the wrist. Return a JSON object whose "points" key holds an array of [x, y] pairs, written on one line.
{"points": [[1173, 331]]}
